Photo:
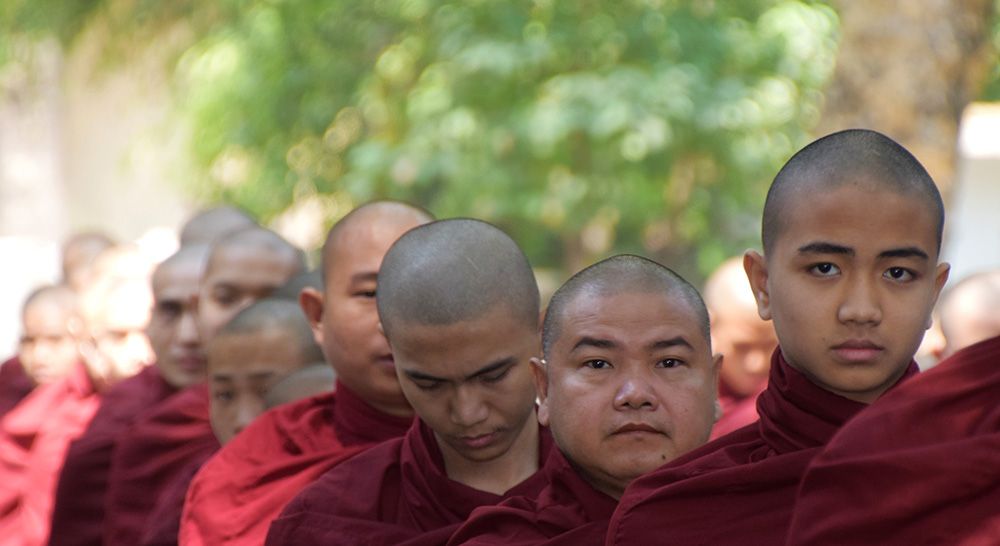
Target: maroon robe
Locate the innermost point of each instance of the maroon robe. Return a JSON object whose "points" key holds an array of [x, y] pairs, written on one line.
{"points": [[394, 493], [237, 494], [737, 411], [568, 511], [739, 489], [14, 384], [152, 455], [78, 517], [921, 466]]}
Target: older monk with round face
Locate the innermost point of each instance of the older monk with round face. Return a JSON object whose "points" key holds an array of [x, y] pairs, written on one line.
{"points": [[627, 384]]}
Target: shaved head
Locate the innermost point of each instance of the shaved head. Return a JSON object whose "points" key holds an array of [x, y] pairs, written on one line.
{"points": [[383, 214], [49, 320], [728, 287], [79, 253], [59, 295], [314, 379], [306, 279], [186, 258], [454, 270], [857, 157], [279, 315], [258, 239], [209, 225], [970, 311], [620, 275]]}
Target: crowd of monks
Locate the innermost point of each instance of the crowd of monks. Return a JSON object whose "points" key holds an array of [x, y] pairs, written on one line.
{"points": [[416, 389]]}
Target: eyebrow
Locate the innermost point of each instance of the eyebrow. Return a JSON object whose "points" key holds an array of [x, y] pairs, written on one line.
{"points": [[820, 247], [587, 341], [229, 377], [364, 277], [678, 341], [420, 376]]}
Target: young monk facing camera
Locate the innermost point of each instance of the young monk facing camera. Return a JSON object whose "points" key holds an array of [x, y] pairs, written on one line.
{"points": [[158, 450], [627, 383], [243, 488], [260, 346], [851, 232], [459, 305], [78, 517]]}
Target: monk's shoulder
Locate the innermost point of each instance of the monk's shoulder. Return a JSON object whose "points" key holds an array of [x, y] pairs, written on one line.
{"points": [[371, 476]]}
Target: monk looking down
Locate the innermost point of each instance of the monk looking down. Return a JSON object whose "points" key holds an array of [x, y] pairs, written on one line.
{"points": [[459, 305], [626, 384]]}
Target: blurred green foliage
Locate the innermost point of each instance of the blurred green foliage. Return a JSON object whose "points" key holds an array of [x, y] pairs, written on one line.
{"points": [[583, 128]]}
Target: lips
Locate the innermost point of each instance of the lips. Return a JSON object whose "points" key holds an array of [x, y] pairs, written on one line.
{"points": [[387, 362], [858, 351], [481, 441], [637, 428], [191, 363]]}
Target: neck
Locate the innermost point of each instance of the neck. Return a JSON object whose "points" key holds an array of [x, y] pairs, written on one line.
{"points": [[502, 473]]}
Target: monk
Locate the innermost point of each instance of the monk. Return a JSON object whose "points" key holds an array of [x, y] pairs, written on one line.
{"points": [[78, 255], [459, 305], [970, 311], [851, 234], [260, 346], [35, 436], [162, 445], [745, 341], [237, 494], [78, 517], [917, 467], [209, 225], [627, 382], [48, 347]]}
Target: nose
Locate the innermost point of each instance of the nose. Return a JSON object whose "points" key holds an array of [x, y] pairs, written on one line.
{"points": [[635, 392], [860, 304], [468, 408], [187, 329], [249, 409]]}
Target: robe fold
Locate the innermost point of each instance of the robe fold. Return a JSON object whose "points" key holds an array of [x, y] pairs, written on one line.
{"points": [[78, 516], [151, 457], [15, 385], [920, 466], [239, 491], [737, 411], [394, 493], [568, 511], [34, 438], [738, 489]]}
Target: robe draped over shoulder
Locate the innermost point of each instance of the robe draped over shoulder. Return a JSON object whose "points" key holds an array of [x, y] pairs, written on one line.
{"points": [[15, 385]]}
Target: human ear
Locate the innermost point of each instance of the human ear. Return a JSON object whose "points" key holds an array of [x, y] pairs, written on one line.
{"points": [[540, 373], [756, 268], [311, 302]]}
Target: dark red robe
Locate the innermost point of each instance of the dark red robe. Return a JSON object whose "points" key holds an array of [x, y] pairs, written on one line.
{"points": [[737, 411], [15, 385], [78, 517], [151, 456], [568, 511], [739, 489], [237, 494], [34, 438], [394, 493], [921, 466]]}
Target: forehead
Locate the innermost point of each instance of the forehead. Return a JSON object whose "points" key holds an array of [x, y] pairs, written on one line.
{"points": [[360, 246], [866, 218], [248, 265], [633, 318], [267, 350], [177, 280]]}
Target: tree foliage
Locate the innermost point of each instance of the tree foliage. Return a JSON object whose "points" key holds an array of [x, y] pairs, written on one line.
{"points": [[581, 127]]}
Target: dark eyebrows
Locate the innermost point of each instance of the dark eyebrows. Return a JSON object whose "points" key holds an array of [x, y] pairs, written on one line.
{"points": [[905, 252], [587, 341], [819, 247], [678, 341]]}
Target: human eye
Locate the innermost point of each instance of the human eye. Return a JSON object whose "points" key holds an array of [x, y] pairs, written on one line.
{"points": [[168, 310], [366, 292], [670, 363], [899, 274], [597, 364], [824, 269], [427, 384], [223, 395], [495, 377], [225, 296]]}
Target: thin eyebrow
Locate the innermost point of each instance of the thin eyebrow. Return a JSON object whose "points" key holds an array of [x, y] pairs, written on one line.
{"points": [[820, 247], [905, 252], [678, 341], [587, 341]]}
